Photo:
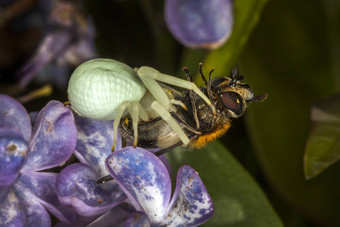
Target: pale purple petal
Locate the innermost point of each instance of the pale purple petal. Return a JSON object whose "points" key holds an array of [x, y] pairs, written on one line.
{"points": [[13, 115], [54, 137], [114, 217], [36, 214], [137, 219], [200, 23], [166, 163], [191, 204], [144, 179], [94, 142], [80, 221], [42, 186], [79, 52], [11, 209], [52, 45], [13, 151], [77, 186]]}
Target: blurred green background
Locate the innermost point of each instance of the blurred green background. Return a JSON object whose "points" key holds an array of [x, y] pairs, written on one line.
{"points": [[287, 49]]}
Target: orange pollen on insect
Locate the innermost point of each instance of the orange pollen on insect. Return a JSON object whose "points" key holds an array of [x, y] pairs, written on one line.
{"points": [[201, 141], [126, 121]]}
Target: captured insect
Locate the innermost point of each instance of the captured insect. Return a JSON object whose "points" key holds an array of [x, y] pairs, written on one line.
{"points": [[150, 112], [200, 123]]}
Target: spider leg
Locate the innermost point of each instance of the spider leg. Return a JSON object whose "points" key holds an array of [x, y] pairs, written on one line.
{"points": [[119, 114], [156, 90], [142, 113], [151, 74]]}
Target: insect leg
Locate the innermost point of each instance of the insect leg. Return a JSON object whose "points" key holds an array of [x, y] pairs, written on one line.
{"points": [[164, 114], [147, 72], [133, 110], [202, 75], [191, 95], [209, 85], [179, 103]]}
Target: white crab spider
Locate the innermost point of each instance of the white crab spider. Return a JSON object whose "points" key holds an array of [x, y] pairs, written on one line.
{"points": [[106, 89]]}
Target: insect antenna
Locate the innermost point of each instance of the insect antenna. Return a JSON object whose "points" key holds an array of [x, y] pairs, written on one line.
{"points": [[235, 76], [259, 98]]}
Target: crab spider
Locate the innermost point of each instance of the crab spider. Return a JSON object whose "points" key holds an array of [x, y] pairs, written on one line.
{"points": [[106, 89]]}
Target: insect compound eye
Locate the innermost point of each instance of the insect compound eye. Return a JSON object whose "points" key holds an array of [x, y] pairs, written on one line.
{"points": [[232, 101]]}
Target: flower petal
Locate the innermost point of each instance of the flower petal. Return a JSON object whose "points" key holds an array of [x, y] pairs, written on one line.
{"points": [[42, 187], [77, 186], [80, 221], [143, 178], [200, 23], [191, 204], [45, 54], [14, 115], [114, 217], [94, 142], [137, 219], [11, 209], [36, 214], [13, 151], [166, 163], [54, 137]]}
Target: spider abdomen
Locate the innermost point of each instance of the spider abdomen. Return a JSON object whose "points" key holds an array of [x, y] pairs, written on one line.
{"points": [[98, 87]]}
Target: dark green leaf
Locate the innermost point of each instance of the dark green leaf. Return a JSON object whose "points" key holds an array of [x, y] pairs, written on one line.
{"points": [[247, 15], [323, 145]]}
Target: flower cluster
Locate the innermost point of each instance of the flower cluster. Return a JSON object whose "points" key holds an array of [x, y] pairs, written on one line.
{"points": [[139, 194], [26, 193], [68, 42]]}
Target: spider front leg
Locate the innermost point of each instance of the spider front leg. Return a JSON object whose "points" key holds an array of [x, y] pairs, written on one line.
{"points": [[136, 111], [162, 105], [152, 75]]}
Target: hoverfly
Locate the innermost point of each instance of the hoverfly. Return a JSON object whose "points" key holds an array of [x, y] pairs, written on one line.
{"points": [[201, 123]]}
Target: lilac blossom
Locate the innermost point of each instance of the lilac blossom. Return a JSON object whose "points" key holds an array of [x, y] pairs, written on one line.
{"points": [[200, 23], [68, 42], [25, 193], [77, 183], [100, 204], [146, 182]]}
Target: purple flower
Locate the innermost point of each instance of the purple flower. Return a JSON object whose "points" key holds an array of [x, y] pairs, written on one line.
{"points": [[107, 203], [68, 43], [200, 23], [146, 182], [25, 193], [77, 183]]}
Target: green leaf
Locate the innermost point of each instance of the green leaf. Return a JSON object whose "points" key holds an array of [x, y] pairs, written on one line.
{"points": [[323, 148], [238, 200], [323, 145], [246, 17], [283, 59]]}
